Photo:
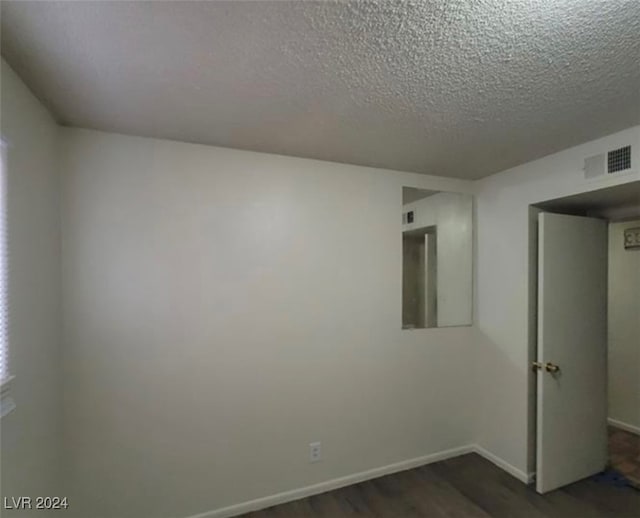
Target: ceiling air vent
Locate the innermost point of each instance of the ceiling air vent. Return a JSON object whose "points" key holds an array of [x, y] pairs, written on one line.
{"points": [[614, 161], [619, 160]]}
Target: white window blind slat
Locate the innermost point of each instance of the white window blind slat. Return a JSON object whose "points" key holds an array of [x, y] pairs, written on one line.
{"points": [[4, 307]]}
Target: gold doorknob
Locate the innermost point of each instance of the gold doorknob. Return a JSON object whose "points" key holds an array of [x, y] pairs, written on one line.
{"points": [[552, 367], [536, 366]]}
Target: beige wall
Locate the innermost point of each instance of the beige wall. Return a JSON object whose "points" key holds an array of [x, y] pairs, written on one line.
{"points": [[624, 328], [223, 309], [505, 296], [30, 443]]}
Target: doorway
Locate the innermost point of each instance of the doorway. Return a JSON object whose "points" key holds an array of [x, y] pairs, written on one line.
{"points": [[585, 339]]}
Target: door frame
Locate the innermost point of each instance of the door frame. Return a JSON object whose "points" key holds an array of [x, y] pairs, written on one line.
{"points": [[612, 213]]}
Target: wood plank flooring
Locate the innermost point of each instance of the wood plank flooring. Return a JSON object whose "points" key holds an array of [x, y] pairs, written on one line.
{"points": [[464, 487], [624, 453]]}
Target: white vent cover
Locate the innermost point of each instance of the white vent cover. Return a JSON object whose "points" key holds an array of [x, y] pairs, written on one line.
{"points": [[594, 166], [614, 161]]}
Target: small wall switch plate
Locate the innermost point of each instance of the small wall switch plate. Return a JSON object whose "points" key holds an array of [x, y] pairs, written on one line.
{"points": [[315, 452]]}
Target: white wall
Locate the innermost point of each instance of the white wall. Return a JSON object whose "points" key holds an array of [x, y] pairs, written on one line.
{"points": [[223, 309], [452, 213], [31, 440], [505, 291], [624, 328]]}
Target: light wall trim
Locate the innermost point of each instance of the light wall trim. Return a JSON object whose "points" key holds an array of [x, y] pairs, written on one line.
{"points": [[624, 426], [522, 476], [355, 478]]}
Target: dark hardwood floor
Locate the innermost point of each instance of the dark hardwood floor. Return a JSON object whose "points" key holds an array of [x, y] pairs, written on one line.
{"points": [[466, 486], [624, 454]]}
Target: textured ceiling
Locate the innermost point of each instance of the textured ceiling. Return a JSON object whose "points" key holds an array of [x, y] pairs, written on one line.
{"points": [[454, 88]]}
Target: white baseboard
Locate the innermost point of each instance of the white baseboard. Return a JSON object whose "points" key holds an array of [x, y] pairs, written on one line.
{"points": [[527, 478], [322, 487], [336, 483], [624, 426]]}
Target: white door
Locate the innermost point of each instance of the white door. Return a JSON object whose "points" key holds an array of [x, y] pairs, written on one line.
{"points": [[572, 334]]}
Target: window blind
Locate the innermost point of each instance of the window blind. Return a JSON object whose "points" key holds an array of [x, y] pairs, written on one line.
{"points": [[4, 306]]}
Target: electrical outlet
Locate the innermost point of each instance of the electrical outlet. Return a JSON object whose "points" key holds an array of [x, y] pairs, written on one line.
{"points": [[315, 452]]}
